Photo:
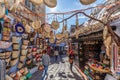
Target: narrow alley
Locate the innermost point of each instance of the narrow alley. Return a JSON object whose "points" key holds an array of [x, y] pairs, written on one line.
{"points": [[59, 71]]}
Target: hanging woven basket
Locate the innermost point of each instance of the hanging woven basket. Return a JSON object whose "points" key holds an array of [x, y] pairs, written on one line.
{"points": [[87, 2], [50, 3], [36, 2], [55, 24]]}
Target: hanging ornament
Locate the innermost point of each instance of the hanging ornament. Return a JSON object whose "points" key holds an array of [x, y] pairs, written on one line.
{"points": [[55, 23]]}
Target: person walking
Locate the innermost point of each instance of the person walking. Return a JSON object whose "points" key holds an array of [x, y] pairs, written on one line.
{"points": [[71, 59], [45, 62], [56, 53]]}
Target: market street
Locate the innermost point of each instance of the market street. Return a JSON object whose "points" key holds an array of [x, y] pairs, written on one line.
{"points": [[60, 71]]}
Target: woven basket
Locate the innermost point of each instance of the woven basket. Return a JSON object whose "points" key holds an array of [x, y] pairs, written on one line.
{"points": [[50, 3], [24, 52], [13, 62], [15, 54], [36, 2], [16, 46], [22, 58], [7, 54], [86, 2], [55, 25], [16, 39], [25, 42]]}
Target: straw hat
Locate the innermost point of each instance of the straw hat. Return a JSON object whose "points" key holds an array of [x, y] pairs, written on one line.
{"points": [[28, 28], [15, 54], [47, 28], [51, 40], [22, 58], [36, 25], [50, 3], [86, 2], [36, 2], [24, 52], [20, 65], [2, 10], [55, 24], [13, 62], [59, 36]]}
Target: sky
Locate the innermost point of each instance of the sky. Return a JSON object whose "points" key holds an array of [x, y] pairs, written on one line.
{"points": [[70, 5]]}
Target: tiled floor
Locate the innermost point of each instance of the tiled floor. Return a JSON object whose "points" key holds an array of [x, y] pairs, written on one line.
{"points": [[59, 71]]}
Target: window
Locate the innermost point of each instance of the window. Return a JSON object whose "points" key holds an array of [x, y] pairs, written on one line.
{"points": [[30, 5]]}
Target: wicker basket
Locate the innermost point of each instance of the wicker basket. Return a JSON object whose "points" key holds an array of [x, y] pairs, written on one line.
{"points": [[20, 65], [22, 58], [13, 62], [24, 52], [5, 38], [7, 54], [15, 54]]}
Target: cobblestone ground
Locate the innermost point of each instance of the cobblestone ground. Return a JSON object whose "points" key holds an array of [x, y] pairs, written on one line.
{"points": [[59, 70]]}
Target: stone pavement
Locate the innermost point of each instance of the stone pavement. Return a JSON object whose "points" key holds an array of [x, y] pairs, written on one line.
{"points": [[59, 71]]}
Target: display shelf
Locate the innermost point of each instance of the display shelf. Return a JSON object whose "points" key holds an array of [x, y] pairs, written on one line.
{"points": [[99, 69]]}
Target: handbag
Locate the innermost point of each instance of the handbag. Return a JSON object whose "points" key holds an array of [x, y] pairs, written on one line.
{"points": [[5, 38], [41, 67]]}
